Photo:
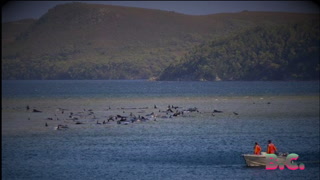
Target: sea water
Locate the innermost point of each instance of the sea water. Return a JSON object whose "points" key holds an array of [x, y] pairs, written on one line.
{"points": [[142, 88], [195, 146]]}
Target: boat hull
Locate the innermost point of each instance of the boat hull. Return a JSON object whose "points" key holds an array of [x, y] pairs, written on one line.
{"points": [[260, 160]]}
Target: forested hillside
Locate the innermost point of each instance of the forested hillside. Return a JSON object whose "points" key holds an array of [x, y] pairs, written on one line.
{"points": [[283, 52], [88, 41]]}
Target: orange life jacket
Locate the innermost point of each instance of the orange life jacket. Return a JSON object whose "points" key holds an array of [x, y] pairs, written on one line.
{"points": [[271, 148], [257, 149]]}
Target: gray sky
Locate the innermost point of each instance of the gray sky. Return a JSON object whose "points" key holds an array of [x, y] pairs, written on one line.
{"points": [[16, 10]]}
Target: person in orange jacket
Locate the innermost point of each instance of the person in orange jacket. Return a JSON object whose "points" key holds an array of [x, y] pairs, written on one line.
{"points": [[257, 149], [271, 149]]}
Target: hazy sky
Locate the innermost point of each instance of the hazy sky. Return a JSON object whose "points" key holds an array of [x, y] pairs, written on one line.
{"points": [[16, 10]]}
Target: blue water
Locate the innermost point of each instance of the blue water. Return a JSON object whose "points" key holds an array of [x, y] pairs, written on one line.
{"points": [[199, 146], [124, 88]]}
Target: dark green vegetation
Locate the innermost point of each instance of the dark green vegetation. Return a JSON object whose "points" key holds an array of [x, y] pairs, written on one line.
{"points": [[86, 41], [284, 52]]}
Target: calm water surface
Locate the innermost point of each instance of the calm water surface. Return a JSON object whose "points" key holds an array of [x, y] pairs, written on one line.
{"points": [[102, 88], [199, 146]]}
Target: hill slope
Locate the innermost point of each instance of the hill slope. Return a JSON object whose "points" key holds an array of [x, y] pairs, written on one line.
{"points": [[284, 52], [87, 41], [11, 30]]}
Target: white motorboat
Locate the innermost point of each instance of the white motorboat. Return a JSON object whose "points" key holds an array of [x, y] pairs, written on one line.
{"points": [[260, 160]]}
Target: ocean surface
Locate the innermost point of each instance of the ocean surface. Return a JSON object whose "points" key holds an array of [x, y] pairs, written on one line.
{"points": [[196, 145], [142, 88]]}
